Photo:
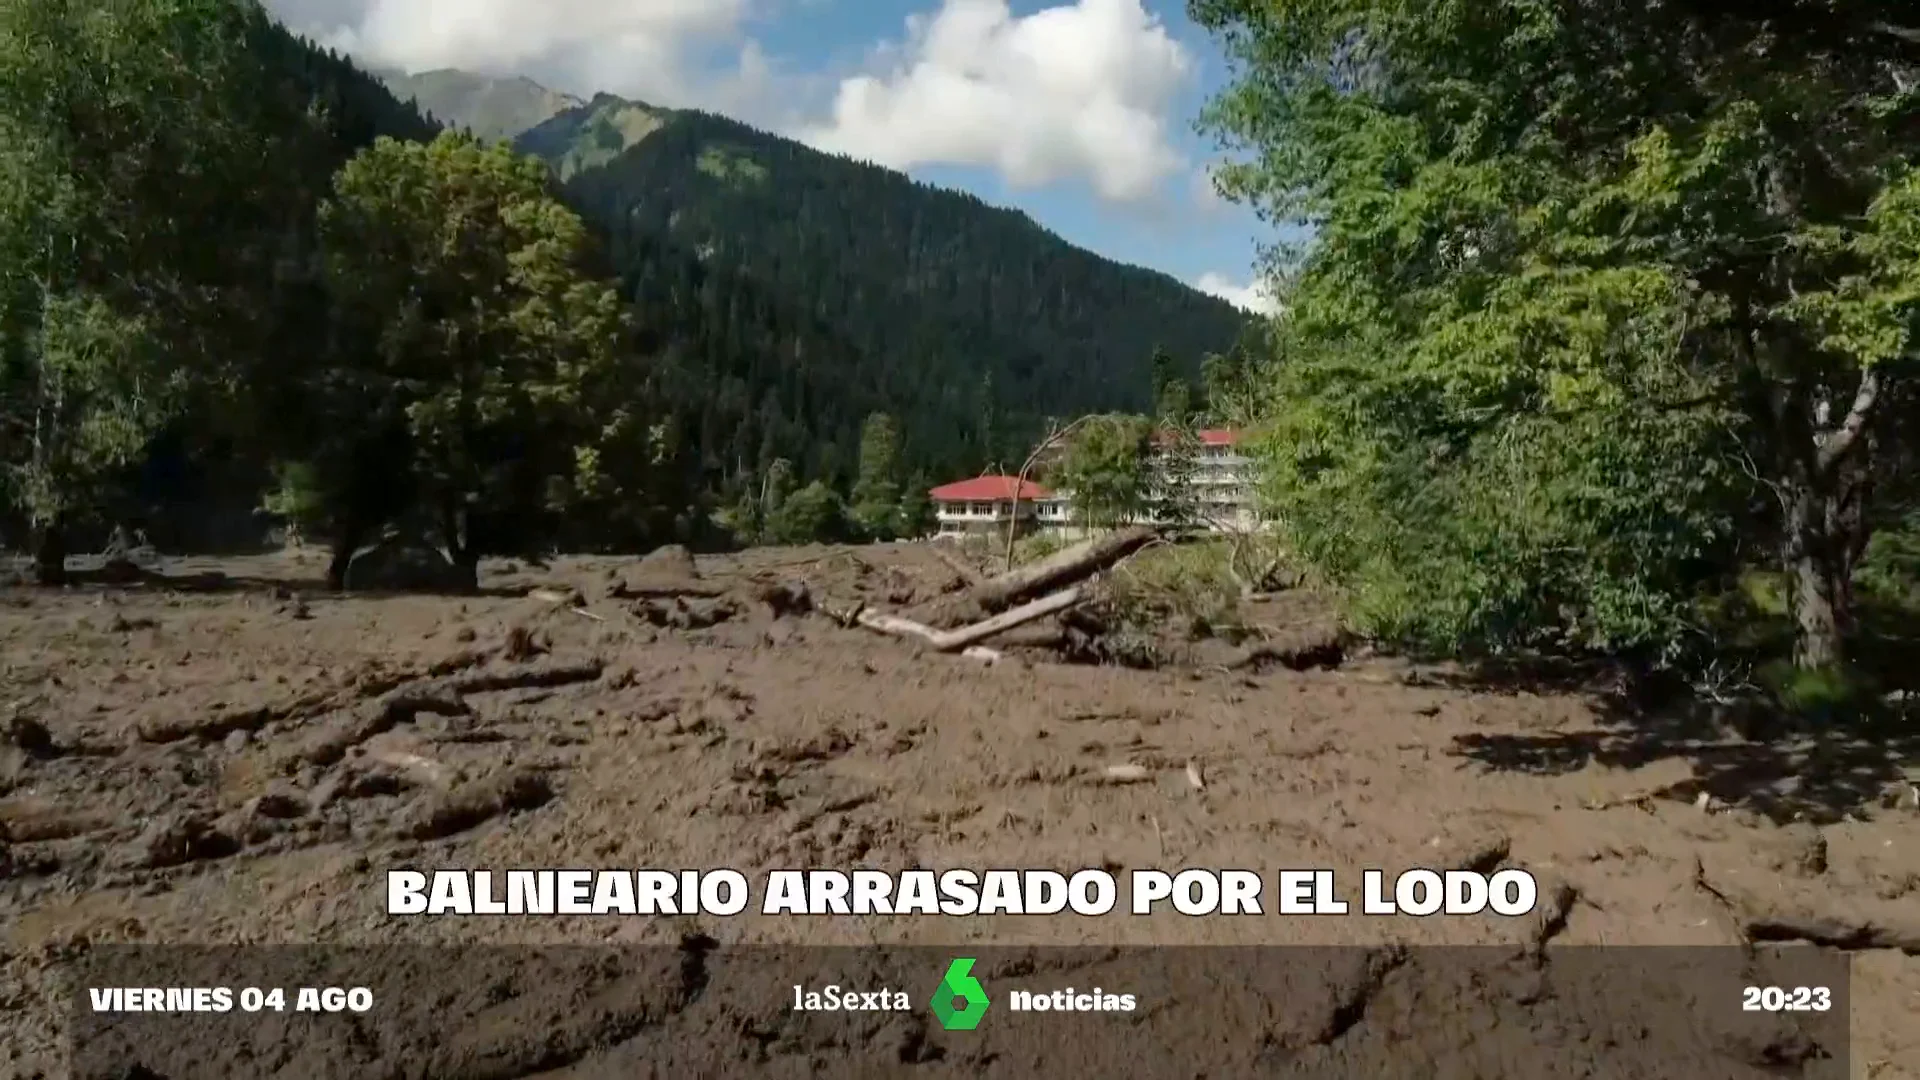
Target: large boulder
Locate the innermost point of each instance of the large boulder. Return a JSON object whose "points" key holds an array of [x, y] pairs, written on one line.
{"points": [[405, 566]]}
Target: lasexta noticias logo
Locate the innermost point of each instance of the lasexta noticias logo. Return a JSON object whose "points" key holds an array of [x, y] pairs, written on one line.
{"points": [[960, 1001]]}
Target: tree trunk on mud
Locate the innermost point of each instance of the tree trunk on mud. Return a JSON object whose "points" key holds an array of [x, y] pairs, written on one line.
{"points": [[50, 554], [466, 566], [456, 527], [346, 541]]}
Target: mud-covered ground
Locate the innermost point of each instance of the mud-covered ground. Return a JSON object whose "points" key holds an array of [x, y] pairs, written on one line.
{"points": [[238, 757]]}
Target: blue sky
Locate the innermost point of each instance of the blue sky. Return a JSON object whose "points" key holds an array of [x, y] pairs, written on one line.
{"points": [[1079, 112]]}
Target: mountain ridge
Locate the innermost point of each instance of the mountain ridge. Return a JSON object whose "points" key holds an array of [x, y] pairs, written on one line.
{"points": [[976, 323], [470, 112], [492, 107]]}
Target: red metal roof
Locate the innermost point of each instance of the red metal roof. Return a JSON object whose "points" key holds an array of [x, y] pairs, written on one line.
{"points": [[987, 489]]}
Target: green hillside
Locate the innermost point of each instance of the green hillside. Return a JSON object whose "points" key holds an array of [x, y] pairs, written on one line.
{"points": [[969, 323]]}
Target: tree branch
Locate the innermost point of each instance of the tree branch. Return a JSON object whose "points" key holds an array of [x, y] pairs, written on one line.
{"points": [[1904, 33], [1835, 444], [1053, 438]]}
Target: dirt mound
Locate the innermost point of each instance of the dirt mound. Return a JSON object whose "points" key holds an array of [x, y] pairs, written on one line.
{"points": [[186, 766], [672, 562]]}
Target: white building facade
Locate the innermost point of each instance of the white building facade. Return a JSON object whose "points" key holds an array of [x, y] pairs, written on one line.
{"points": [[1219, 483]]}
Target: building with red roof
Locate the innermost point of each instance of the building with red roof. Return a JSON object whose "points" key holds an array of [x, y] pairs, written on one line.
{"points": [[1219, 482], [992, 487], [988, 503]]}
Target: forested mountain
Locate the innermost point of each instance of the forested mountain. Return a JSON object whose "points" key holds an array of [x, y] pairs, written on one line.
{"points": [[969, 323], [653, 314], [791, 293]]}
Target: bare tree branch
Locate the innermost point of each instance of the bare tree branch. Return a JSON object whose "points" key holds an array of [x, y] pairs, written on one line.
{"points": [[1020, 486]]}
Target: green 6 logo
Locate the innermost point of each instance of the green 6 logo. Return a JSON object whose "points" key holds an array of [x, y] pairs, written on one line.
{"points": [[960, 1001]]}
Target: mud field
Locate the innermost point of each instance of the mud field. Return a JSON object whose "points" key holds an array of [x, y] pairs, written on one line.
{"points": [[233, 756]]}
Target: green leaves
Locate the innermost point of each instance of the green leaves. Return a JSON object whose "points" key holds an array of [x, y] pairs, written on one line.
{"points": [[1873, 314], [1106, 469], [127, 155], [466, 276], [97, 396], [876, 491], [1515, 403]]}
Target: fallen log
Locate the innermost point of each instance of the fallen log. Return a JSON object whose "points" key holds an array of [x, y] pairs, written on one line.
{"points": [[1007, 620], [664, 590], [1056, 571], [320, 702], [962, 638], [1063, 567], [443, 696], [1034, 637]]}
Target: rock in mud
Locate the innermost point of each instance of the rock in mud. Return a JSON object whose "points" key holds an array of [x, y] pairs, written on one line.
{"points": [[180, 838], [786, 598], [358, 782], [404, 566], [684, 614], [279, 802], [476, 801]]}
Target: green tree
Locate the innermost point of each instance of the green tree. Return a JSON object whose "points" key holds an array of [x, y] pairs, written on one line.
{"points": [[1579, 270], [1230, 383], [812, 514], [468, 282], [1172, 394], [1175, 467], [1106, 470], [129, 179], [876, 492], [916, 508], [775, 485]]}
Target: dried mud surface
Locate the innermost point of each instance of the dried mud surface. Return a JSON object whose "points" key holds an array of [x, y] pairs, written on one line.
{"points": [[236, 757]]}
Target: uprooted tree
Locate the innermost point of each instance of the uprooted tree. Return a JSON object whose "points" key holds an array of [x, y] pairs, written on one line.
{"points": [[1597, 289]]}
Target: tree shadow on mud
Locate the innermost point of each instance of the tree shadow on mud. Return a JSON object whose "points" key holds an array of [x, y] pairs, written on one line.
{"points": [[1784, 767], [173, 580]]}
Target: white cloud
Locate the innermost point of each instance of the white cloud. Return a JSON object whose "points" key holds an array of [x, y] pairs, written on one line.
{"points": [[1079, 90], [651, 49], [1255, 296]]}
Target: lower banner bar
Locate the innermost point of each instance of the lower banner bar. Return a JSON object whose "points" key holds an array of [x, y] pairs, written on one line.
{"points": [[703, 1010]]}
